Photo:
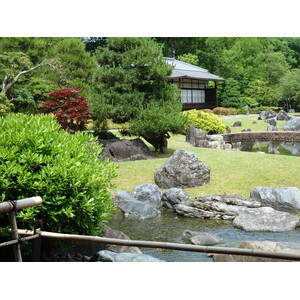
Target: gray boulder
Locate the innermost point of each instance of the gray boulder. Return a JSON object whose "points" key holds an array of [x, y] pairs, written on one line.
{"points": [[237, 124], [115, 234], [283, 116], [174, 196], [265, 219], [182, 169], [124, 150], [284, 199], [266, 114], [138, 210], [293, 124], [272, 128], [149, 193], [195, 136], [283, 247], [109, 256], [122, 196], [201, 238]]}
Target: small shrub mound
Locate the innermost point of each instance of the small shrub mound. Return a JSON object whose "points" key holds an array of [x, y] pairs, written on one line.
{"points": [[258, 110], [206, 121], [224, 111], [39, 159], [5, 106]]}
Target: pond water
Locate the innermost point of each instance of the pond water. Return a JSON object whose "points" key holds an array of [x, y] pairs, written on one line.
{"points": [[169, 228], [272, 147]]}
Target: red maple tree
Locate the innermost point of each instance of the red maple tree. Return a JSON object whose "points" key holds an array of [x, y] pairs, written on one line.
{"points": [[72, 111]]}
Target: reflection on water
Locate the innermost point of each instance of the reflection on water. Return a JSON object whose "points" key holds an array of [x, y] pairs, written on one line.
{"points": [[169, 228], [272, 147]]}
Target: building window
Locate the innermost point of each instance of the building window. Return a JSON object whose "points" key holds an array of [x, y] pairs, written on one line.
{"points": [[192, 96]]}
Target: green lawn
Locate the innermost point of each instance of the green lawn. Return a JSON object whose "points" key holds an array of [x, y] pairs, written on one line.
{"points": [[231, 171], [247, 123]]}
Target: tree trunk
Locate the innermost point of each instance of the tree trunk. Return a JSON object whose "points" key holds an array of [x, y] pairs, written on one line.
{"points": [[160, 144]]}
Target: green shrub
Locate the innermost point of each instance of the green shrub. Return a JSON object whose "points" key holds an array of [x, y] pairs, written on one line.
{"points": [[206, 121], [5, 105], [257, 110], [242, 110], [224, 111], [39, 159]]}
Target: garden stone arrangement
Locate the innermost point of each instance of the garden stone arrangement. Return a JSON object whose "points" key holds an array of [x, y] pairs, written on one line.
{"points": [[268, 209]]}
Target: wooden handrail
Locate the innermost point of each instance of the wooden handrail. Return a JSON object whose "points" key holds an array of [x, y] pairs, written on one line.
{"points": [[21, 203], [163, 245]]}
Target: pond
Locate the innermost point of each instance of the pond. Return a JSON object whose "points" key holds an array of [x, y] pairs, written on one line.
{"points": [[169, 228], [272, 147]]}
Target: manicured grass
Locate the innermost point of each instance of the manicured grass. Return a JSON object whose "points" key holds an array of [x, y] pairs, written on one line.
{"points": [[232, 172], [261, 125]]}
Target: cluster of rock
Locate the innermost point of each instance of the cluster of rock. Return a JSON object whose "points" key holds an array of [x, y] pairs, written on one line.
{"points": [[145, 200], [268, 209], [270, 114], [124, 150], [199, 138]]}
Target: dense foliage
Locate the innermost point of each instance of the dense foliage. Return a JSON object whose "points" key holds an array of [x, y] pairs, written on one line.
{"points": [[39, 159], [71, 110], [130, 79], [209, 122], [5, 105]]}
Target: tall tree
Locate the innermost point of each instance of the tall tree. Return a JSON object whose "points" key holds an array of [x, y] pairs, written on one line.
{"points": [[130, 79]]}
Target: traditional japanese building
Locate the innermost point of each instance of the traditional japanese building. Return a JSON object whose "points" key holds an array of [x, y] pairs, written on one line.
{"points": [[193, 83]]}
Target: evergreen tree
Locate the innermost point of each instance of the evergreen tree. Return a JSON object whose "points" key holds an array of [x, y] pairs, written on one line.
{"points": [[130, 79]]}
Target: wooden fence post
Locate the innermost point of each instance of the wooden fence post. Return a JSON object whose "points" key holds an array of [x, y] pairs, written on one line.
{"points": [[15, 235]]}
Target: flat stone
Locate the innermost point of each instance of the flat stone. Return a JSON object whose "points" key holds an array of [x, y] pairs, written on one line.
{"points": [[201, 238], [109, 256], [284, 247], [265, 219]]}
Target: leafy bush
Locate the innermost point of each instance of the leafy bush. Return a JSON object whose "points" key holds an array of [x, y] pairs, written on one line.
{"points": [[224, 111], [242, 110], [39, 159], [206, 121], [5, 105], [207, 110], [72, 110], [257, 110]]}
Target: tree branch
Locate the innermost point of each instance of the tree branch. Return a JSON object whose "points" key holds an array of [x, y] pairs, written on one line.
{"points": [[6, 85]]}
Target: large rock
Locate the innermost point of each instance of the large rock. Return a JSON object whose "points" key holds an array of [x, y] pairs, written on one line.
{"points": [[201, 238], [124, 150], [195, 136], [283, 116], [237, 124], [293, 124], [182, 169], [138, 210], [122, 196], [149, 193], [267, 114], [284, 247], [284, 199], [224, 207], [174, 196], [109, 256], [265, 219], [115, 234]]}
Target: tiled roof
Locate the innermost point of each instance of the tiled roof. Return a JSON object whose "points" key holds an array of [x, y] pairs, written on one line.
{"points": [[185, 70]]}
